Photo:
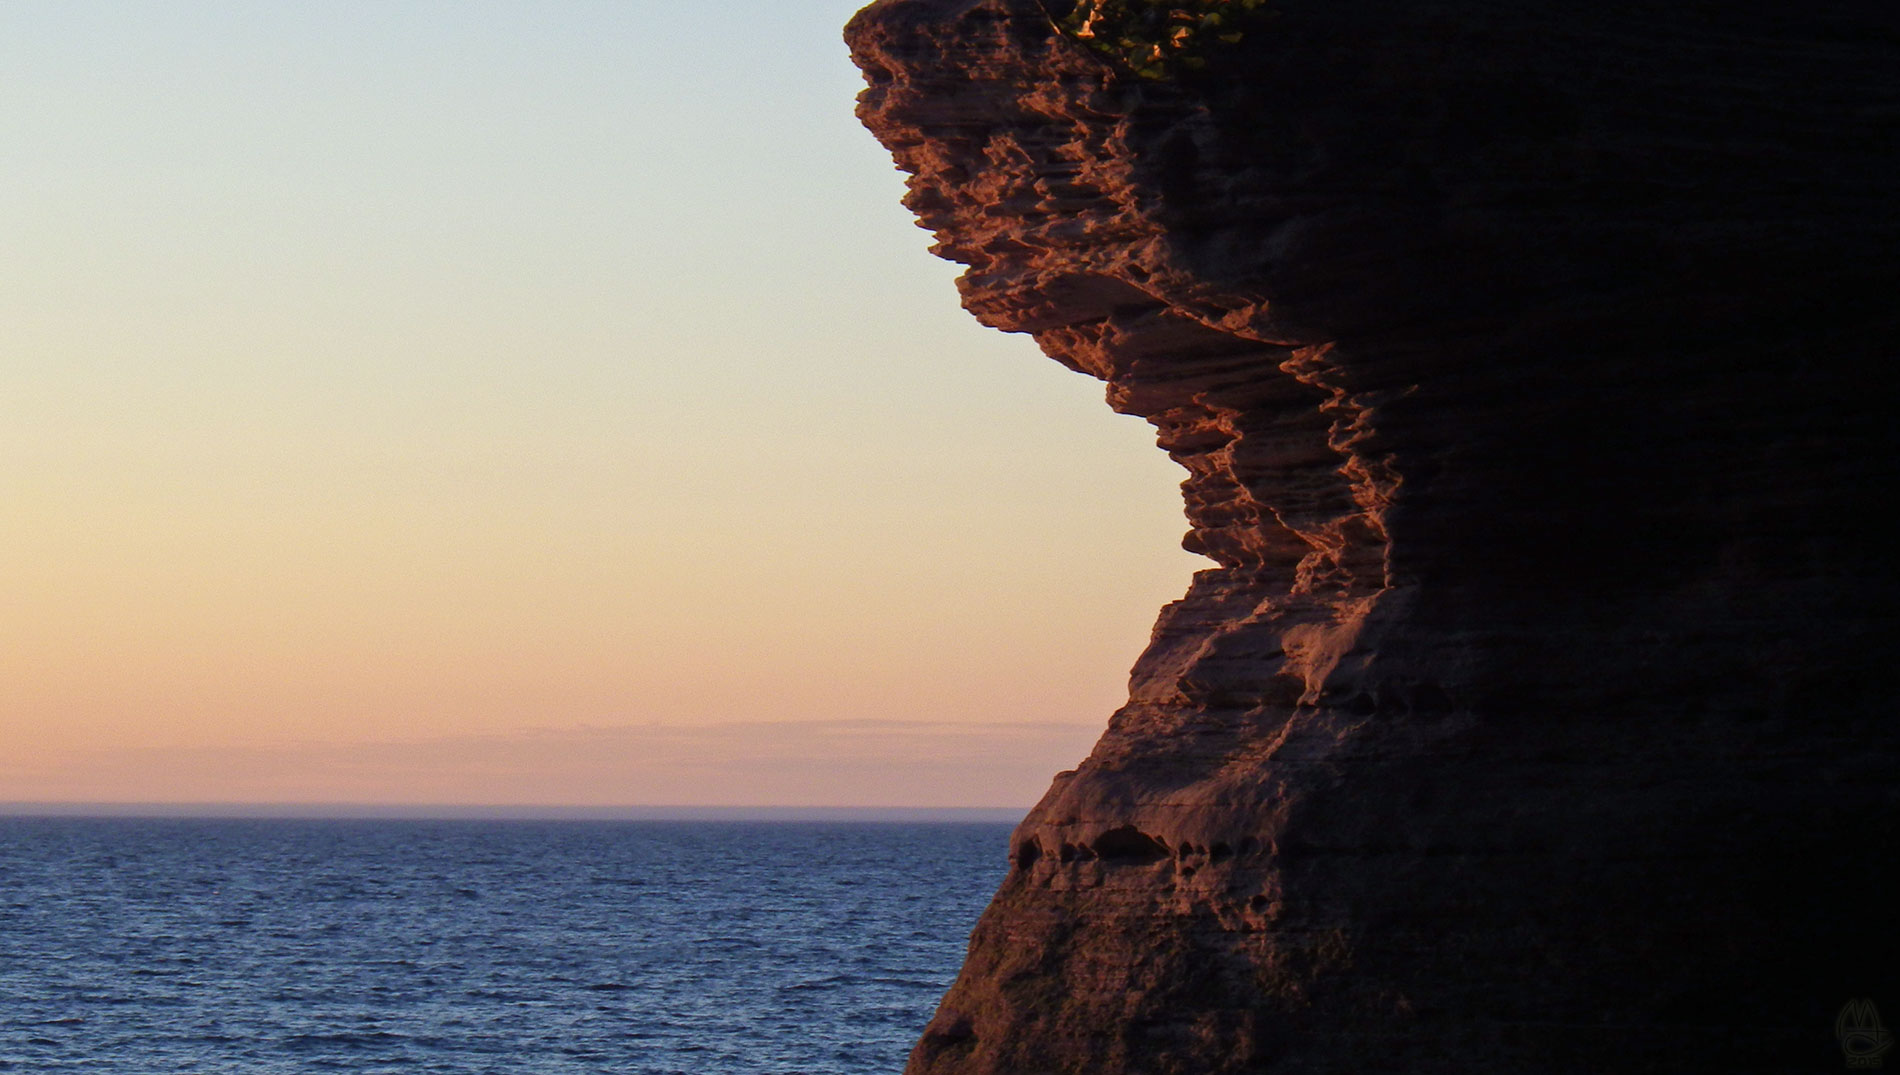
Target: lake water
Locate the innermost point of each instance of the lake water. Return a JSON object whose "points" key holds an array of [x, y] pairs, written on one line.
{"points": [[146, 947]]}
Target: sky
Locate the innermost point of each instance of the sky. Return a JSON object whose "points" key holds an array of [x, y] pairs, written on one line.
{"points": [[541, 403]]}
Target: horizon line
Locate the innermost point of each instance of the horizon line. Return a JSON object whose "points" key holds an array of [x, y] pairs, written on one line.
{"points": [[331, 811]]}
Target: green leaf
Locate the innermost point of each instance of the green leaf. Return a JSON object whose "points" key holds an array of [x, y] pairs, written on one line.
{"points": [[1151, 37]]}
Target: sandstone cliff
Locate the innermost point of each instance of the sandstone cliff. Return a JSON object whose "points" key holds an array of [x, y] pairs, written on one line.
{"points": [[1533, 367]]}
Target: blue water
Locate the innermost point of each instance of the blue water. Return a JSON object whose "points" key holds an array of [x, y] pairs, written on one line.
{"points": [[197, 946]]}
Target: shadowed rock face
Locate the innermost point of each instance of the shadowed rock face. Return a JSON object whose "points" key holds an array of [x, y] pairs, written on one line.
{"points": [[1534, 375]]}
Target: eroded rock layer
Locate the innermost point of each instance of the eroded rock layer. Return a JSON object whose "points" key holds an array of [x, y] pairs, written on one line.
{"points": [[1533, 370]]}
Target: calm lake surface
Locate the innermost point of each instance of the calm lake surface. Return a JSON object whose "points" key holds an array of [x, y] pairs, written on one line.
{"points": [[144, 947]]}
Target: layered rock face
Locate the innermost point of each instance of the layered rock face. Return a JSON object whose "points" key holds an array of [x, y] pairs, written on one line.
{"points": [[1533, 367]]}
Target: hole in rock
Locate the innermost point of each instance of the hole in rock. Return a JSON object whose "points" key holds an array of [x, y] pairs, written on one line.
{"points": [[950, 1027], [1129, 845]]}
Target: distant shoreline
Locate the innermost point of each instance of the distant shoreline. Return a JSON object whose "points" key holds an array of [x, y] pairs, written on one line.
{"points": [[445, 812]]}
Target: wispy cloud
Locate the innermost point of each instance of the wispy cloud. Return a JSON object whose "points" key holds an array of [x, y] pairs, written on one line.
{"points": [[859, 762]]}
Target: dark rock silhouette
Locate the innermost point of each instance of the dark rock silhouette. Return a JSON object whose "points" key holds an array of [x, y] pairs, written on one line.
{"points": [[1534, 368]]}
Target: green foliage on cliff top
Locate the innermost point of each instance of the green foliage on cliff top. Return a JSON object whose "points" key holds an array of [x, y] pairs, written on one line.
{"points": [[1154, 38]]}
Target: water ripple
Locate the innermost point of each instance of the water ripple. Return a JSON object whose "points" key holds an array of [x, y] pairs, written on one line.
{"points": [[148, 947]]}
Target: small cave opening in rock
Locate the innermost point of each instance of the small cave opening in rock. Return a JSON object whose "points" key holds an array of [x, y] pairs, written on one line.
{"points": [[1129, 845]]}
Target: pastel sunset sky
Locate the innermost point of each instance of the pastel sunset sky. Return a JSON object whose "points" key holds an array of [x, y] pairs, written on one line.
{"points": [[543, 403]]}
